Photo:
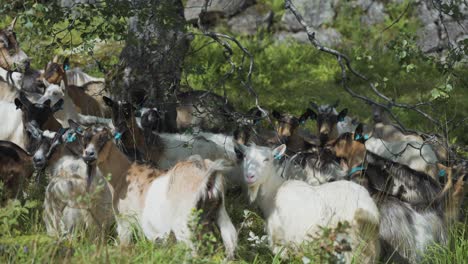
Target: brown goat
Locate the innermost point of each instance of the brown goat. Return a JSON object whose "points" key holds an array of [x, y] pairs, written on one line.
{"points": [[135, 143], [289, 133], [15, 168]]}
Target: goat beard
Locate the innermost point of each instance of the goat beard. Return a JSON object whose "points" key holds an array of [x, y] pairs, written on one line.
{"points": [[90, 173], [253, 193]]}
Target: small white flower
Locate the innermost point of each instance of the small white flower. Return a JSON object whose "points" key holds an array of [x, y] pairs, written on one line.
{"points": [[305, 260]]}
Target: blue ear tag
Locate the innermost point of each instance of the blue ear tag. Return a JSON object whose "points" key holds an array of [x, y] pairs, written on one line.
{"points": [[278, 156], [341, 119], [366, 137], [79, 129], [357, 137], [118, 136], [66, 67], [71, 137], [442, 173]]}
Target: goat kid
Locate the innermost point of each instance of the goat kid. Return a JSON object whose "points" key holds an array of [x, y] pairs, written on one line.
{"points": [[294, 210], [74, 202], [160, 201]]}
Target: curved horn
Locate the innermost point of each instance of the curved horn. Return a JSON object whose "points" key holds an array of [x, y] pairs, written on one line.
{"points": [[55, 59], [11, 27]]}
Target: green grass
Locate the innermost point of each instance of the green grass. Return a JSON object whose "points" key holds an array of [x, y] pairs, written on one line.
{"points": [[27, 242]]}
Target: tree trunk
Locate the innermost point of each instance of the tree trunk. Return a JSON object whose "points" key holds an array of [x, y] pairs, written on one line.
{"points": [[151, 61]]}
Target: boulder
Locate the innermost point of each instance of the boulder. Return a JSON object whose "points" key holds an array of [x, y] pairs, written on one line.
{"points": [[251, 20], [217, 8], [326, 36], [315, 13]]}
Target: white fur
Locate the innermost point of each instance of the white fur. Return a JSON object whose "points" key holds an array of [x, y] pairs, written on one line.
{"points": [[16, 76], [55, 93], [416, 155], [208, 145], [11, 128], [294, 209], [161, 214], [68, 204], [346, 125], [77, 77]]}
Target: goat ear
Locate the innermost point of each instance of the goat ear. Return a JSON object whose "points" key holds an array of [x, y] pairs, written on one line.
{"points": [[34, 131], [358, 136], [279, 152], [342, 115], [239, 149], [75, 126], [18, 103], [46, 83], [309, 113], [108, 101], [62, 85], [66, 64], [24, 100], [276, 114], [57, 106]]}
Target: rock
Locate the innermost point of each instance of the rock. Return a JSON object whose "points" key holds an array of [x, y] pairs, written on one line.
{"points": [[70, 3], [374, 12], [315, 13], [433, 36], [326, 36], [221, 8], [251, 20]]}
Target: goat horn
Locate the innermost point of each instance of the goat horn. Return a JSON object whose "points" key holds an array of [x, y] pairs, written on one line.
{"points": [[12, 24]]}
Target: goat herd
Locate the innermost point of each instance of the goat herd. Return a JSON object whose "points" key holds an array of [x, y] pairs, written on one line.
{"points": [[396, 190]]}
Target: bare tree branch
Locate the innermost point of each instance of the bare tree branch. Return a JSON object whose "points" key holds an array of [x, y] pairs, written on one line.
{"points": [[345, 64]]}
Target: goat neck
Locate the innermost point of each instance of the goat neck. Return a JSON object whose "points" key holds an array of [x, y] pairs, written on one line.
{"points": [[115, 164], [268, 188]]}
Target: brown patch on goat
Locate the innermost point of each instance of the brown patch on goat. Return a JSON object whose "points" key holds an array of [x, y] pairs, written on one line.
{"points": [[141, 176], [352, 151]]}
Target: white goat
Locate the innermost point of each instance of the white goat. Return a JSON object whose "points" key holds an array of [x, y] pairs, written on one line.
{"points": [[12, 128], [294, 210], [160, 201], [10, 84], [416, 155], [72, 202]]}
